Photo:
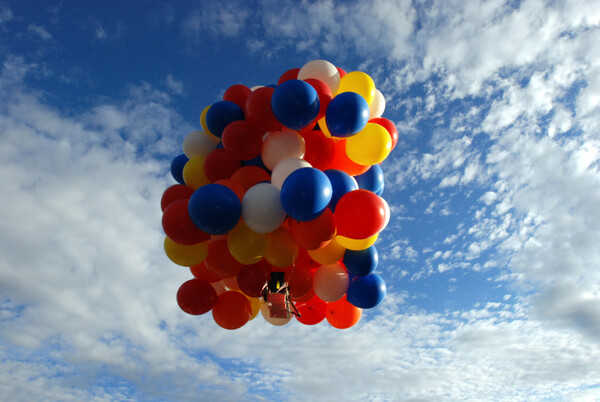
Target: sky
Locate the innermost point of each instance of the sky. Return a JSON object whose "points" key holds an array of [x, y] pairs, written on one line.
{"points": [[491, 257]]}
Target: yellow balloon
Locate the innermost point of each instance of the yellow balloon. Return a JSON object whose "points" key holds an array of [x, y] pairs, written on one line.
{"points": [[254, 305], [282, 250], [245, 245], [186, 256], [359, 82], [323, 126], [205, 127], [357, 244], [331, 253], [193, 173], [370, 146]]}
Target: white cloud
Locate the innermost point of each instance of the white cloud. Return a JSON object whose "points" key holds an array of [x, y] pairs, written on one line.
{"points": [[174, 85], [39, 31], [5, 13]]}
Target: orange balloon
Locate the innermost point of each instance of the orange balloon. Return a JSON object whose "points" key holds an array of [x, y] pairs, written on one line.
{"points": [[282, 250], [232, 310], [341, 314], [342, 162], [200, 271], [314, 234], [250, 175]]}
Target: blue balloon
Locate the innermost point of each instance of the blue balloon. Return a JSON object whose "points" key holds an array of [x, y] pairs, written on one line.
{"points": [[305, 194], [215, 209], [177, 168], [346, 114], [366, 291], [220, 114], [295, 104], [256, 162], [361, 262], [371, 180], [341, 183]]}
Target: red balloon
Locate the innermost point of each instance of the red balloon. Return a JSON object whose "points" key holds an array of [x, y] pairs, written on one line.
{"points": [[242, 139], [319, 149], [341, 71], [258, 110], [174, 193], [389, 126], [196, 297], [232, 310], [305, 260], [237, 94], [312, 312], [235, 186], [359, 214], [220, 261], [252, 278], [250, 175], [311, 126], [201, 271], [178, 225], [314, 234], [324, 93], [300, 280], [342, 162], [220, 164], [291, 74]]}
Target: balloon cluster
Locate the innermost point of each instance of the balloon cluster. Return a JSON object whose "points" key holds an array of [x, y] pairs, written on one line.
{"points": [[283, 178]]}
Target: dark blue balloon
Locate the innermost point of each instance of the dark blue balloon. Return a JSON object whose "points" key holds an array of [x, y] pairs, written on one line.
{"points": [[177, 168], [341, 183], [256, 162], [361, 262], [295, 104], [220, 114], [366, 291], [215, 209], [305, 194], [371, 180], [347, 114]]}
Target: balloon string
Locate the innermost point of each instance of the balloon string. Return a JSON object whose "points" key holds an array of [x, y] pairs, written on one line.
{"points": [[295, 312]]}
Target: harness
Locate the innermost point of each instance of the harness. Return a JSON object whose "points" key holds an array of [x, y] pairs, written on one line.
{"points": [[277, 296]]}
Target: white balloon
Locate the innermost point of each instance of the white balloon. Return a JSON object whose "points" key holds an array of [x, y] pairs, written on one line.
{"points": [[279, 145], [284, 168], [321, 70], [331, 282], [254, 88], [198, 143], [377, 107], [388, 214], [261, 208]]}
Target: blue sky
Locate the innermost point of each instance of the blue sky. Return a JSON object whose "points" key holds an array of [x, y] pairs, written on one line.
{"points": [[491, 256]]}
